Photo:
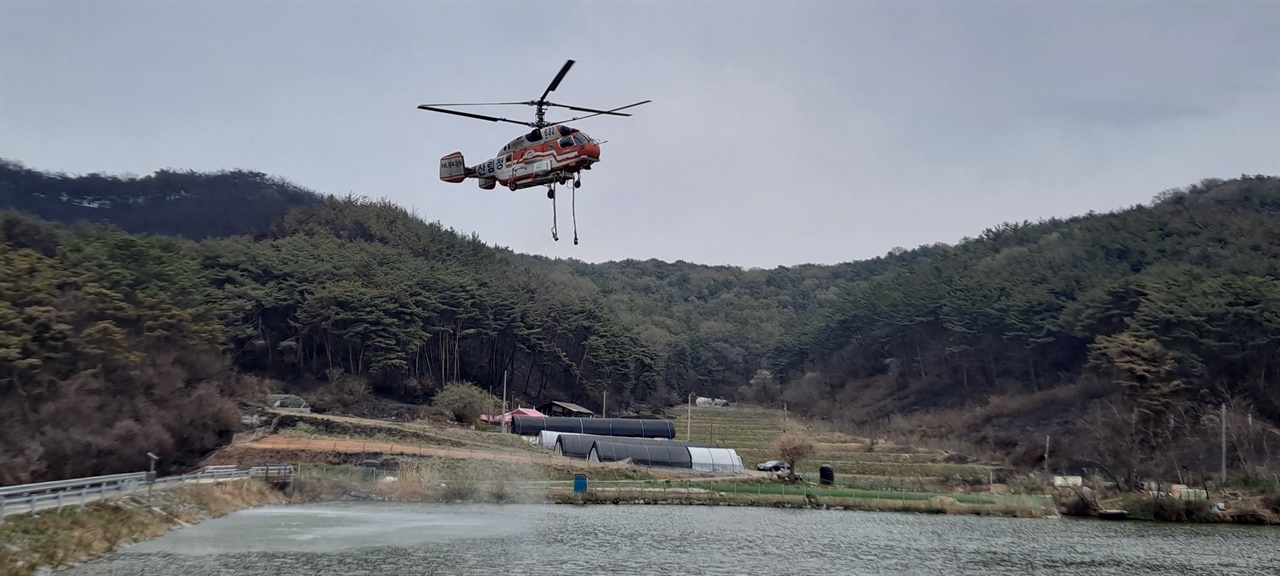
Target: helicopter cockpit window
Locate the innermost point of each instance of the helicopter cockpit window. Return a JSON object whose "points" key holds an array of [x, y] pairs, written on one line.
{"points": [[566, 142], [580, 139]]}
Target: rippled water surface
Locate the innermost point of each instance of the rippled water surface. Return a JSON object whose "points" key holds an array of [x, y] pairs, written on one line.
{"points": [[403, 539]]}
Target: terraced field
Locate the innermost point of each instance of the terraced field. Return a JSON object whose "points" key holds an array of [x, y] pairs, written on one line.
{"points": [[415, 433], [753, 431]]}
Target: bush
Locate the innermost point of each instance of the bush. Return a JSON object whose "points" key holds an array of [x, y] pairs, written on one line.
{"points": [[498, 490], [1171, 510], [458, 484], [464, 400], [1025, 485], [1272, 502], [1078, 507]]}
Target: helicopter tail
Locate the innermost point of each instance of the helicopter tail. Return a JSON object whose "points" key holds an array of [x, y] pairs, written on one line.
{"points": [[453, 168]]}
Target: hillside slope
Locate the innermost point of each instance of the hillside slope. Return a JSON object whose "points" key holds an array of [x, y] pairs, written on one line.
{"points": [[1152, 315], [175, 203]]}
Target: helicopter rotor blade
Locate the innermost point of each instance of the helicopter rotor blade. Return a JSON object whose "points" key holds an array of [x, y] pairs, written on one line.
{"points": [[556, 83], [485, 104], [470, 115], [581, 109], [604, 112]]}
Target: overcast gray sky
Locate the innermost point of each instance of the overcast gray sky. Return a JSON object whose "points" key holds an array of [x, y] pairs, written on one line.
{"points": [[780, 133]]}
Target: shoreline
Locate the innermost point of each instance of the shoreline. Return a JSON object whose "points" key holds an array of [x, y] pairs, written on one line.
{"points": [[55, 540], [58, 540]]}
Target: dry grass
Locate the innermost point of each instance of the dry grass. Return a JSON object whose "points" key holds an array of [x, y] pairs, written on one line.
{"points": [[836, 438], [444, 479], [419, 432], [753, 433], [196, 502], [1020, 507], [947, 429], [56, 539], [59, 539]]}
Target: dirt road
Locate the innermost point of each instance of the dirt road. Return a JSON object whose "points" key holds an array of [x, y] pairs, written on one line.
{"points": [[387, 448]]}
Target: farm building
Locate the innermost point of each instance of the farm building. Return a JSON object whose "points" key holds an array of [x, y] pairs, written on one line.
{"points": [[640, 454], [574, 445], [495, 419], [547, 440], [667, 455], [288, 403], [556, 408], [635, 427], [719, 460], [579, 445], [650, 452]]}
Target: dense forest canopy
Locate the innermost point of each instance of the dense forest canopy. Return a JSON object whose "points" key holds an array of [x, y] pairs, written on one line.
{"points": [[133, 324], [178, 203], [109, 348], [1025, 307]]}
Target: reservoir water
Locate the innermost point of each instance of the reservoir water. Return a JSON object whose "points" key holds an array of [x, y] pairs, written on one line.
{"points": [[404, 539]]}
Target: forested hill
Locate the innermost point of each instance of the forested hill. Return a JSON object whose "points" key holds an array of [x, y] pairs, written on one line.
{"points": [[113, 343], [714, 326], [1132, 326], [188, 204], [1179, 298]]}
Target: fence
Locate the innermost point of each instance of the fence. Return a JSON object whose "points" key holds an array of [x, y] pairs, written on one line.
{"points": [[465, 483], [31, 498]]}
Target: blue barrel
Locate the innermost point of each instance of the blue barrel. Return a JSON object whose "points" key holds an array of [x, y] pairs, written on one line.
{"points": [[579, 483]]}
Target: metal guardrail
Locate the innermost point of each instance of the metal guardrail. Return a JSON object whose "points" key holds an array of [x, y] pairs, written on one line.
{"points": [[45, 487], [208, 473], [31, 498]]}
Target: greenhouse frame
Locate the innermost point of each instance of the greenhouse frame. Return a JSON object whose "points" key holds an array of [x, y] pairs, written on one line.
{"points": [[574, 445], [718, 460], [632, 427], [646, 454]]}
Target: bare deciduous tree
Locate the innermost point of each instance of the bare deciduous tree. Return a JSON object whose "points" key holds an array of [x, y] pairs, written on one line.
{"points": [[793, 448]]}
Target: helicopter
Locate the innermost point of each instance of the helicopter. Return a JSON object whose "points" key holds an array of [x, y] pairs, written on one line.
{"points": [[551, 154]]}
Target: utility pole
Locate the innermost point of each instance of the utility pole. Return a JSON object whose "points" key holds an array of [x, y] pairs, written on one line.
{"points": [[688, 429], [504, 401], [1223, 479], [151, 474], [1046, 456], [604, 405]]}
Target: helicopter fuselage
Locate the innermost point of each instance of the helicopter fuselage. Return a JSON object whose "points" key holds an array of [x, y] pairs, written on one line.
{"points": [[553, 154]]}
